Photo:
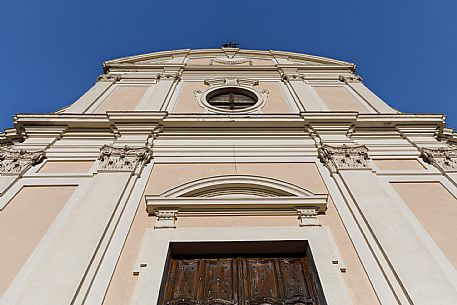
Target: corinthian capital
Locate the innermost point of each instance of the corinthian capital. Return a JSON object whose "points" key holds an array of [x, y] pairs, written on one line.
{"points": [[444, 158], [15, 162], [123, 159], [344, 157]]}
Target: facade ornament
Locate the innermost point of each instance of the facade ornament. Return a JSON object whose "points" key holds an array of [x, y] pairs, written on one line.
{"points": [[165, 218], [350, 79], [15, 162], [173, 76], [344, 157], [108, 78], [288, 77], [216, 82], [308, 217], [230, 61], [444, 158], [123, 159]]}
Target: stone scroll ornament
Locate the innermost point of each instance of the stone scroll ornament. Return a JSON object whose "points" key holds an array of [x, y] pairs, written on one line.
{"points": [[344, 157], [444, 158], [16, 162], [123, 159]]}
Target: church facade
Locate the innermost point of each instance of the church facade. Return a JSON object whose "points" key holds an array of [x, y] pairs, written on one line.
{"points": [[225, 177]]}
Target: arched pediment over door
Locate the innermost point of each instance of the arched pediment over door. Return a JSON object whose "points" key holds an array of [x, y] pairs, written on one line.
{"points": [[236, 195]]}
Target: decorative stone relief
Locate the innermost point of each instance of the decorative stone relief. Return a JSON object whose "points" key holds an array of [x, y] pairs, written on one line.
{"points": [[123, 158], [308, 217], [165, 218], [173, 76], [350, 79], [213, 82], [344, 157], [230, 61], [444, 158], [108, 78], [16, 162], [288, 77]]}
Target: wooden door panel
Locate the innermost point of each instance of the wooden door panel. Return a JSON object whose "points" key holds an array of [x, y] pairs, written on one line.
{"points": [[239, 281], [260, 282], [219, 281]]}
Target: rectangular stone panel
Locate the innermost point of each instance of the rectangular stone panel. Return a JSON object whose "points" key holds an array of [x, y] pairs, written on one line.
{"points": [[24, 222], [436, 209], [123, 98], [64, 167], [338, 98]]}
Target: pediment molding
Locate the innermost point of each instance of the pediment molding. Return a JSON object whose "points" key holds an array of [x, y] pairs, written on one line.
{"points": [[236, 195]]}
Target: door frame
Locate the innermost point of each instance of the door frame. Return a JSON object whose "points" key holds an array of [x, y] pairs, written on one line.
{"points": [[155, 250]]}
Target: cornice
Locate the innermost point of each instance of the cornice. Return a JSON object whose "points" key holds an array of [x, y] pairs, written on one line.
{"points": [[113, 117]]}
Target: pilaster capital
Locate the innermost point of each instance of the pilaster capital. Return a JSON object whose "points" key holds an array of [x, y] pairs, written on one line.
{"points": [[350, 79], [444, 158], [16, 162], [123, 159], [169, 76], [344, 157], [108, 78], [289, 77], [166, 218], [308, 217]]}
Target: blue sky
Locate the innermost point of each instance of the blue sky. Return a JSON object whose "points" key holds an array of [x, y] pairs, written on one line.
{"points": [[52, 51]]}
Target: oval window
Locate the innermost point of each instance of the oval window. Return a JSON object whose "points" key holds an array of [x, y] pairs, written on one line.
{"points": [[232, 99]]}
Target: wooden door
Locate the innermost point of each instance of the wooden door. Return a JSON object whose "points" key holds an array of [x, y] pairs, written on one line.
{"points": [[239, 281]]}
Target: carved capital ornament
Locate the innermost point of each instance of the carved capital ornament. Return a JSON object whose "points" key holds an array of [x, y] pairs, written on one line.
{"points": [[15, 162], [344, 157], [123, 159], [108, 78], [308, 217], [444, 158]]}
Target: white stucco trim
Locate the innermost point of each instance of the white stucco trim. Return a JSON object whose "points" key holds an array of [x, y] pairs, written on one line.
{"points": [[156, 242]]}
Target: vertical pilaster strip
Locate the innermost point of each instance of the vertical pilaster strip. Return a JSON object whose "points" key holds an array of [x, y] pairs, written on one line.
{"points": [[70, 256], [355, 82], [104, 82], [386, 222]]}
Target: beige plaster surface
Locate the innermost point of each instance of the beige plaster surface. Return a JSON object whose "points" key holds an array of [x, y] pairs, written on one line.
{"points": [[24, 222], [399, 164], [355, 276], [80, 166], [168, 176], [261, 62], [276, 101], [123, 98], [198, 61], [436, 209], [123, 282], [339, 99], [187, 102]]}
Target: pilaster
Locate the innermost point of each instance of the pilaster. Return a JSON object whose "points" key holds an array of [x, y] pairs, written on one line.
{"points": [[356, 83], [303, 92], [350, 167], [104, 82], [72, 258]]}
